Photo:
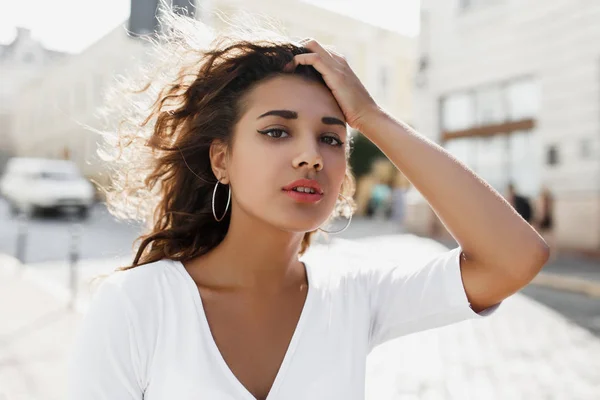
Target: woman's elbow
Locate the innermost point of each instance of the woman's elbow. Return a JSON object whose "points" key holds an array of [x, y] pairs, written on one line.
{"points": [[532, 261]]}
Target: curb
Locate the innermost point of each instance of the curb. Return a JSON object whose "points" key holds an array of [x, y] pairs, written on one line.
{"points": [[568, 284]]}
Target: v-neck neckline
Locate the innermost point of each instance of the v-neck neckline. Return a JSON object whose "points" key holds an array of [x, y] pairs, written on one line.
{"points": [[287, 358]]}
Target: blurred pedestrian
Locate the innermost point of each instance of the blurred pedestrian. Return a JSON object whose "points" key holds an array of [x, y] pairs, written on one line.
{"points": [[545, 217], [380, 197], [241, 159], [380, 200], [398, 203], [520, 203]]}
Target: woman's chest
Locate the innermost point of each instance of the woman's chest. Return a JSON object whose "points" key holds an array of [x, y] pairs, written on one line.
{"points": [[323, 360], [253, 338]]}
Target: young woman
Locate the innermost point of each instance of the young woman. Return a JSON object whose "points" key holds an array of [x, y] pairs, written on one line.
{"points": [[242, 158]]}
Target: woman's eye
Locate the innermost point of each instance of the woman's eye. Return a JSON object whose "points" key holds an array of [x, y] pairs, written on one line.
{"points": [[274, 133], [332, 140]]}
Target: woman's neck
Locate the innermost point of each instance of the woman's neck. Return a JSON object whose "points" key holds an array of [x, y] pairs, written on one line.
{"points": [[255, 255]]}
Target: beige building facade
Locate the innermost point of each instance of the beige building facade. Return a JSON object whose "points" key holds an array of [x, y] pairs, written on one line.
{"points": [[53, 111], [512, 89], [21, 61]]}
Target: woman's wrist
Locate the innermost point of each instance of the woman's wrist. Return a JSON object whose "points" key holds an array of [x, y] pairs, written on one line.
{"points": [[371, 118]]}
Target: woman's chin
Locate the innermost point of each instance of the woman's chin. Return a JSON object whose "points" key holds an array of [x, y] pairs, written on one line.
{"points": [[299, 222], [301, 226]]}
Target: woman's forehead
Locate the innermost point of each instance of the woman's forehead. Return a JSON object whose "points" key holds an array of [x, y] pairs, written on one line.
{"points": [[302, 96]]}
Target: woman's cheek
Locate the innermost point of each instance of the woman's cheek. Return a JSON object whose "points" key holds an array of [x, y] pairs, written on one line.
{"points": [[339, 165], [255, 177]]}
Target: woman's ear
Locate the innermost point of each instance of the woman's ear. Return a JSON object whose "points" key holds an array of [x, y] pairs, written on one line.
{"points": [[218, 160]]}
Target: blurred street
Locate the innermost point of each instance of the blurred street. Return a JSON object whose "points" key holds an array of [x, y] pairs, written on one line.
{"points": [[49, 235]]}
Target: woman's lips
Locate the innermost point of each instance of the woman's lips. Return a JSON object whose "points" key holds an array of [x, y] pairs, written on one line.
{"points": [[304, 197], [304, 183]]}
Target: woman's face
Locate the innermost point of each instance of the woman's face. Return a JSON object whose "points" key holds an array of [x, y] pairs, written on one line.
{"points": [[292, 129]]}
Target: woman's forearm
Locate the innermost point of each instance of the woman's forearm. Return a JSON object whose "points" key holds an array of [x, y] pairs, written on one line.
{"points": [[484, 224]]}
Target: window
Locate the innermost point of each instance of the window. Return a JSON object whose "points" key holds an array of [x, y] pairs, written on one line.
{"points": [[465, 4], [492, 159], [347, 51], [525, 160], [98, 87], [490, 106], [500, 159], [384, 81], [469, 4], [80, 95], [586, 148], [463, 149], [552, 155], [383, 77], [458, 112], [523, 99]]}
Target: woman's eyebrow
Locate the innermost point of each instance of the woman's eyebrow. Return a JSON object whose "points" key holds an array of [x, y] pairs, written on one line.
{"points": [[289, 114], [333, 121]]}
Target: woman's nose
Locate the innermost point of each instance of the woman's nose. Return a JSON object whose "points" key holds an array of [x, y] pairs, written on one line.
{"points": [[310, 158]]}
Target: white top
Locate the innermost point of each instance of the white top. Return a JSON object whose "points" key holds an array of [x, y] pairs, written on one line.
{"points": [[145, 335]]}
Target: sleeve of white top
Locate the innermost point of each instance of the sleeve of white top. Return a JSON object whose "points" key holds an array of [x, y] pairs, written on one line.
{"points": [[104, 364], [405, 301]]}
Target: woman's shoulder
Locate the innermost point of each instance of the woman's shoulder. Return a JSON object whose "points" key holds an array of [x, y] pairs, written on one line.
{"points": [[341, 260], [142, 282], [372, 257], [141, 273]]}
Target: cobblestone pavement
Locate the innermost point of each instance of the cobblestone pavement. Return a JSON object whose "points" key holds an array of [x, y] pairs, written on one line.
{"points": [[524, 351], [36, 332]]}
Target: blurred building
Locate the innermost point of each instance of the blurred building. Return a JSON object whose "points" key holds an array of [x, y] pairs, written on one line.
{"points": [[20, 61], [52, 112], [512, 88]]}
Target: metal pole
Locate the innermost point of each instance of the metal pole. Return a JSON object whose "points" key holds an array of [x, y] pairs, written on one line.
{"points": [[22, 236], [74, 255]]}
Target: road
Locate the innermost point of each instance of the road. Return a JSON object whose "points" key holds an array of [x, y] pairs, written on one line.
{"points": [[49, 238]]}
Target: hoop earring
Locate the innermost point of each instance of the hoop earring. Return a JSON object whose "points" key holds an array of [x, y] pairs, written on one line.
{"points": [[347, 223], [213, 203]]}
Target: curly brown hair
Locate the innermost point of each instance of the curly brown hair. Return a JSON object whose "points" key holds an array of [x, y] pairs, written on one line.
{"points": [[159, 155]]}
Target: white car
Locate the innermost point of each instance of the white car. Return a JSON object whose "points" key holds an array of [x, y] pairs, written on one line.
{"points": [[32, 184]]}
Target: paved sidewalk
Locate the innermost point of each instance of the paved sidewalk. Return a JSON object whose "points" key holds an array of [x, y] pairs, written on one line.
{"points": [[525, 351], [36, 332], [38, 324]]}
